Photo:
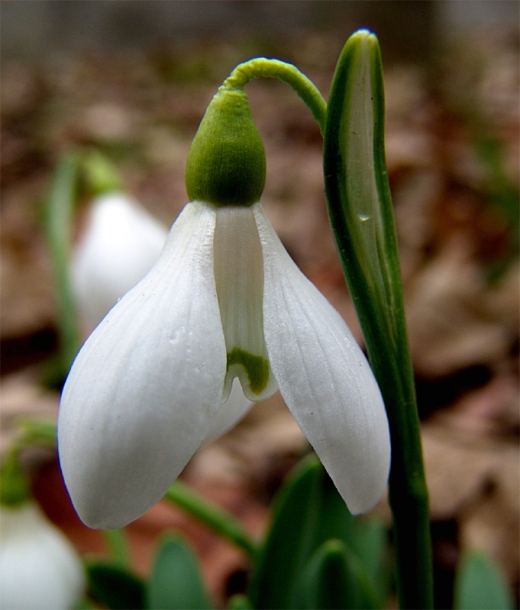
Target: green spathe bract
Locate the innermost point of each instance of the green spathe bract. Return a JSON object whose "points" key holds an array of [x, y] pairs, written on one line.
{"points": [[226, 162], [361, 214]]}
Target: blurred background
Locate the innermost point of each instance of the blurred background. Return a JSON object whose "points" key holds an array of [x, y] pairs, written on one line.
{"points": [[133, 79]]}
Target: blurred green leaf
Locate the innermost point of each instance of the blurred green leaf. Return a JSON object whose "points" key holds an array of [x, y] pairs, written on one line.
{"points": [[239, 602], [366, 538], [334, 578], [502, 194], [38, 431], [176, 582], [480, 585], [115, 587], [370, 544]]}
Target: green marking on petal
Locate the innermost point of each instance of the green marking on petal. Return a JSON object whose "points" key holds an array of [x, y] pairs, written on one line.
{"points": [[256, 368]]}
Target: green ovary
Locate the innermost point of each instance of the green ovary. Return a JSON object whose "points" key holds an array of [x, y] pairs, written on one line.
{"points": [[256, 368]]}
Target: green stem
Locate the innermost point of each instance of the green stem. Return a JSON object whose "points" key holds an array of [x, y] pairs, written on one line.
{"points": [[274, 68], [361, 213], [213, 516], [58, 224], [117, 543], [14, 483]]}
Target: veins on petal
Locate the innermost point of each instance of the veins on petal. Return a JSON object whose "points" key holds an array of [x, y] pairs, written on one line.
{"points": [[239, 277]]}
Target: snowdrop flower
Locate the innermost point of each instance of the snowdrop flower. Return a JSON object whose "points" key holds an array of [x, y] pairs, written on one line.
{"points": [[223, 301], [38, 566], [116, 249]]}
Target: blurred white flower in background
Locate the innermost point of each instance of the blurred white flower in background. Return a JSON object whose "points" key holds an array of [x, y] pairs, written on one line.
{"points": [[39, 568], [116, 249]]}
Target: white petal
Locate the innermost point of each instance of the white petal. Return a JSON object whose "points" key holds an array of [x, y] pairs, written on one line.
{"points": [[239, 276], [39, 567], [118, 247], [140, 395], [324, 377], [229, 412]]}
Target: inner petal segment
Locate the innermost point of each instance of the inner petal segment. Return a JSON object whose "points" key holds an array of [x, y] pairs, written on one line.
{"points": [[239, 277]]}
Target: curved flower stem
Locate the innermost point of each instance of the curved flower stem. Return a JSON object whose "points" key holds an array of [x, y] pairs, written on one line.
{"points": [[274, 68], [362, 219], [360, 207], [220, 521]]}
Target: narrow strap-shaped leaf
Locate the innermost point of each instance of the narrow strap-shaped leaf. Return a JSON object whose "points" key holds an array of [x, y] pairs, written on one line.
{"points": [[479, 585], [361, 214], [366, 538], [176, 582], [334, 578], [370, 545], [115, 587], [290, 539]]}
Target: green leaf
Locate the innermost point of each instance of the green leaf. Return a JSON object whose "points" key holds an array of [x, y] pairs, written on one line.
{"points": [[361, 214], [114, 586], [480, 585], [370, 544], [366, 538], [290, 539], [335, 578], [176, 581], [308, 511]]}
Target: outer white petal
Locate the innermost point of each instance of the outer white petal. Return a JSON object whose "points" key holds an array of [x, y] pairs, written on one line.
{"points": [[39, 568], [119, 245], [139, 397], [324, 377]]}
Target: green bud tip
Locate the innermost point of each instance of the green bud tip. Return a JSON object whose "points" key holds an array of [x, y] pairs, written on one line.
{"points": [[226, 162]]}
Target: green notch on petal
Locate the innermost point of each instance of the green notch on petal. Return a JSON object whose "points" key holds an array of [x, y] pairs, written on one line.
{"points": [[256, 368]]}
